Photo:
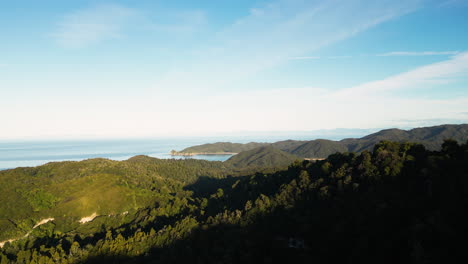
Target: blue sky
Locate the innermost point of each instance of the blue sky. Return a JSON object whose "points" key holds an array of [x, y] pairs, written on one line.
{"points": [[91, 68]]}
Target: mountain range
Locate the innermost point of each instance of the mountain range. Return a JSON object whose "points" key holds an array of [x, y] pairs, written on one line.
{"points": [[430, 137]]}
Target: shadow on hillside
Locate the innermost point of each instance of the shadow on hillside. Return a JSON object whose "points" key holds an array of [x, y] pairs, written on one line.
{"points": [[414, 216], [257, 242], [263, 238], [204, 186]]}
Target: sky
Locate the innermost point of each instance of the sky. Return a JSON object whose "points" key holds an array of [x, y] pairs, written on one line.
{"points": [[148, 68]]}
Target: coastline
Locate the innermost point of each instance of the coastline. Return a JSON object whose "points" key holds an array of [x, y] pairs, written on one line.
{"points": [[186, 154], [314, 159]]}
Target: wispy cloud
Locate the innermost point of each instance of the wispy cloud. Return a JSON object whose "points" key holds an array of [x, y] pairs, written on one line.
{"points": [[181, 22], [379, 102], [319, 57], [273, 34], [93, 25], [306, 58], [372, 104], [308, 108], [388, 54], [340, 57], [418, 53], [426, 76], [104, 22]]}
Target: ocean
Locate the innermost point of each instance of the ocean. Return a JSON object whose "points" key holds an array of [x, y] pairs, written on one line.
{"points": [[33, 153]]}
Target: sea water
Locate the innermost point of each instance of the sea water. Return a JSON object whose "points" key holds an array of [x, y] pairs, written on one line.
{"points": [[33, 153]]}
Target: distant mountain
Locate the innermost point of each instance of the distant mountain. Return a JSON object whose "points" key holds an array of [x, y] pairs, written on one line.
{"points": [[430, 137], [267, 156]]}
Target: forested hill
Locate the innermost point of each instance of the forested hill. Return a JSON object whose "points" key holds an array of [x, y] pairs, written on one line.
{"points": [[69, 191], [318, 148], [220, 147], [399, 203], [430, 137], [262, 157]]}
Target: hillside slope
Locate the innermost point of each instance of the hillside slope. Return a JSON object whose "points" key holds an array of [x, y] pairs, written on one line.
{"points": [[220, 147], [430, 137], [262, 157], [69, 191], [399, 203], [318, 148]]}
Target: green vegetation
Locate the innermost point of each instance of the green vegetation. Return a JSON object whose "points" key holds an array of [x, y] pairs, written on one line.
{"points": [[220, 147], [262, 157], [430, 137], [40, 199], [399, 203], [69, 191], [318, 148]]}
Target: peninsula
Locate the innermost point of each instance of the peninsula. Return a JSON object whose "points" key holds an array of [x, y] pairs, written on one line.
{"points": [[218, 148]]}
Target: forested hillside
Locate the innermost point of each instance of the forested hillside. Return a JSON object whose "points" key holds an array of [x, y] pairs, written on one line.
{"points": [[220, 147], [399, 203], [430, 137], [69, 191], [319, 148], [262, 157]]}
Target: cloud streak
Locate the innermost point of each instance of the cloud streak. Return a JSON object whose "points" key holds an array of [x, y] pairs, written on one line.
{"points": [[418, 53], [306, 58], [181, 22], [318, 57], [273, 34], [371, 105], [93, 25], [374, 104], [423, 77]]}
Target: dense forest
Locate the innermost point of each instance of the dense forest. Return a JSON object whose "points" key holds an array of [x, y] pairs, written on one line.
{"points": [[399, 203], [430, 137], [262, 157], [222, 147]]}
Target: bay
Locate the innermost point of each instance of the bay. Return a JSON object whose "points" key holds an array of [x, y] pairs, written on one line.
{"points": [[34, 153], [38, 152]]}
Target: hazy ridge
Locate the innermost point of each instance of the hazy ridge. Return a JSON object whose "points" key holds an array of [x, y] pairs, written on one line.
{"points": [[430, 137]]}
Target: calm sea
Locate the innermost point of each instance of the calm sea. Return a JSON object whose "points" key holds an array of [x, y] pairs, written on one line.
{"points": [[34, 153]]}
